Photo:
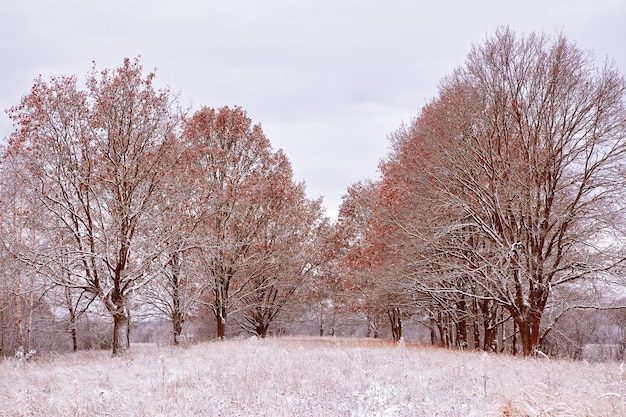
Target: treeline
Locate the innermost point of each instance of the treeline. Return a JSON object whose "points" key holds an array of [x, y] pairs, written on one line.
{"points": [[500, 208], [496, 223]]}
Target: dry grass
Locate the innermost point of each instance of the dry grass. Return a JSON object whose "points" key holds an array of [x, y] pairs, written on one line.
{"points": [[308, 377]]}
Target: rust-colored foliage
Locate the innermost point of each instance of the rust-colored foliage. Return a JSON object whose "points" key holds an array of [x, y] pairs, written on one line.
{"points": [[259, 221], [94, 160], [494, 196]]}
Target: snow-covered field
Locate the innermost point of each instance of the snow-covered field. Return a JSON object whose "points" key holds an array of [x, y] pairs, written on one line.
{"points": [[308, 377]]}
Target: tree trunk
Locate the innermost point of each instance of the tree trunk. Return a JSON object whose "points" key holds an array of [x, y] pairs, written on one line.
{"points": [[433, 333], [475, 327], [121, 323], [128, 327], [261, 330], [372, 327], [514, 340], [529, 327], [72, 324], [220, 318], [120, 334], [222, 282], [74, 337], [489, 326], [29, 322], [178, 316], [444, 339], [461, 335], [177, 326], [395, 317], [441, 329], [476, 335], [489, 335], [535, 323], [524, 334]]}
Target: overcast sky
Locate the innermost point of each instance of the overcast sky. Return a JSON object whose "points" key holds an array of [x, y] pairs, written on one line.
{"points": [[328, 79]]}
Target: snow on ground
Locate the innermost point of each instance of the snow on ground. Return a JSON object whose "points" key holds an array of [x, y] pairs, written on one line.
{"points": [[308, 377]]}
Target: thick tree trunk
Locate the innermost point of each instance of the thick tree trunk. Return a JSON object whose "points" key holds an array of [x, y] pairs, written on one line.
{"points": [[529, 327], [433, 332], [177, 326], [395, 317], [526, 336], [220, 318], [500, 331], [261, 330], [120, 334], [444, 339], [74, 334], [535, 323], [489, 325], [222, 282], [441, 332], [121, 323], [476, 334], [490, 335], [118, 303]]}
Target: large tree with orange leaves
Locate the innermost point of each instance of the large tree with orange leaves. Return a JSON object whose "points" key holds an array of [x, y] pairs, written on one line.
{"points": [[520, 162], [258, 223], [94, 160]]}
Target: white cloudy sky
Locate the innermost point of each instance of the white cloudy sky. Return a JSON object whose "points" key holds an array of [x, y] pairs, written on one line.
{"points": [[327, 79]]}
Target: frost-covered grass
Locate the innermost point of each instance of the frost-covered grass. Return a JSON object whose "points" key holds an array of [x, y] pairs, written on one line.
{"points": [[308, 377]]}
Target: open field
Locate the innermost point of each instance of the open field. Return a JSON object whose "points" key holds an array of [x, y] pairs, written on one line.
{"points": [[308, 377]]}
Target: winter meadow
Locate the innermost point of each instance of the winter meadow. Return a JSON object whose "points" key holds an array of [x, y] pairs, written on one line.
{"points": [[308, 377], [482, 274]]}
